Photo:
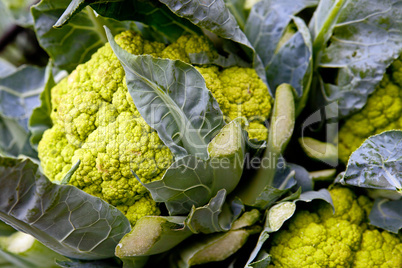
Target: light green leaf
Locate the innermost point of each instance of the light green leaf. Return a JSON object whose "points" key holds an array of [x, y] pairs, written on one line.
{"points": [[323, 22], [320, 151], [104, 263], [191, 181], [236, 7], [152, 235], [6, 68], [366, 38], [219, 246], [62, 217], [377, 163], [149, 12], [173, 98], [6, 18], [260, 188], [20, 11], [23, 249], [387, 214], [82, 36]]}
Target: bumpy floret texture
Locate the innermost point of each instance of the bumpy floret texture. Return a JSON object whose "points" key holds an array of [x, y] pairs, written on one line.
{"points": [[382, 112], [96, 122], [319, 238]]}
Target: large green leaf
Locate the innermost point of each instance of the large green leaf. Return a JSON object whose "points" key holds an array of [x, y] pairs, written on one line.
{"points": [[192, 181], [292, 63], [387, 214], [149, 12], [366, 38], [62, 217], [377, 163], [6, 68], [267, 24], [173, 98], [76, 42], [40, 119], [215, 16]]}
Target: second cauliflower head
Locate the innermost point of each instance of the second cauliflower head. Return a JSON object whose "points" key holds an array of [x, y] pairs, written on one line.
{"points": [[96, 122], [382, 112], [319, 238]]}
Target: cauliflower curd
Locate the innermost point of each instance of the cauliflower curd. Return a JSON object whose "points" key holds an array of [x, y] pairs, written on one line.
{"points": [[382, 112], [320, 238], [95, 122]]}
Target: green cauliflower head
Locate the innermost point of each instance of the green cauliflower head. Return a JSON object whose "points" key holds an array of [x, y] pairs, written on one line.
{"points": [[320, 238], [96, 122], [382, 112]]}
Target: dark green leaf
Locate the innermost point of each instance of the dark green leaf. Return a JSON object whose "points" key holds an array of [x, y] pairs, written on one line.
{"points": [[5, 229], [206, 219], [40, 119], [366, 38], [302, 177], [173, 99], [216, 216], [262, 261], [149, 12], [267, 24], [19, 93], [292, 63], [76, 42], [377, 163], [387, 214], [14, 139], [62, 217]]}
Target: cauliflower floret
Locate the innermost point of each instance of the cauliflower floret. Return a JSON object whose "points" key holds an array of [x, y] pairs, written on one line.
{"points": [[382, 112], [240, 93], [320, 238]]}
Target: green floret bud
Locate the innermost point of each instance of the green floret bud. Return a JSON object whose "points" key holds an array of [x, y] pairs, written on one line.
{"points": [[382, 112], [145, 206], [319, 238]]}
